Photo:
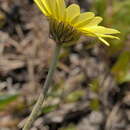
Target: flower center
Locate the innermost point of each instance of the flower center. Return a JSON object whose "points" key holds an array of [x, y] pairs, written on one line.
{"points": [[62, 32]]}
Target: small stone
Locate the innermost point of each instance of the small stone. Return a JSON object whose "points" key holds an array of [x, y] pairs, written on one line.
{"points": [[96, 117]]}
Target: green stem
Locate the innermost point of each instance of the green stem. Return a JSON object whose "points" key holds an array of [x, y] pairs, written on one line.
{"points": [[38, 106]]}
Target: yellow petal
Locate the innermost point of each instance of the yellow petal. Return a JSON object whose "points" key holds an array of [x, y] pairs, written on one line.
{"points": [[60, 7], [108, 36], [103, 30], [43, 7], [95, 35], [95, 21], [71, 12], [83, 19], [52, 7], [88, 33], [104, 41]]}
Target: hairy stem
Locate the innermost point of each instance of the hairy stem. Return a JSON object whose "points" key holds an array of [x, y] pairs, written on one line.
{"points": [[38, 106]]}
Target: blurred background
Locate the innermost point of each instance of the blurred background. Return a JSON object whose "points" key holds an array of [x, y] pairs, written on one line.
{"points": [[91, 86]]}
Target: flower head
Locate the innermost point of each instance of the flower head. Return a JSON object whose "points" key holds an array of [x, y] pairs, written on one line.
{"points": [[67, 24]]}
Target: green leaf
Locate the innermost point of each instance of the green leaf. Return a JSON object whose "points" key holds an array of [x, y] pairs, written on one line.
{"points": [[75, 96], [120, 10], [95, 104], [69, 127], [125, 78], [50, 108], [5, 99], [121, 69], [94, 85], [100, 7]]}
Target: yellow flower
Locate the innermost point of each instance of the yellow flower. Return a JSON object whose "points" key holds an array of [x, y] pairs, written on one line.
{"points": [[67, 24]]}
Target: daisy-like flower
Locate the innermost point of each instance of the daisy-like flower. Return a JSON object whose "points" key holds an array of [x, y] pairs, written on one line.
{"points": [[67, 24]]}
